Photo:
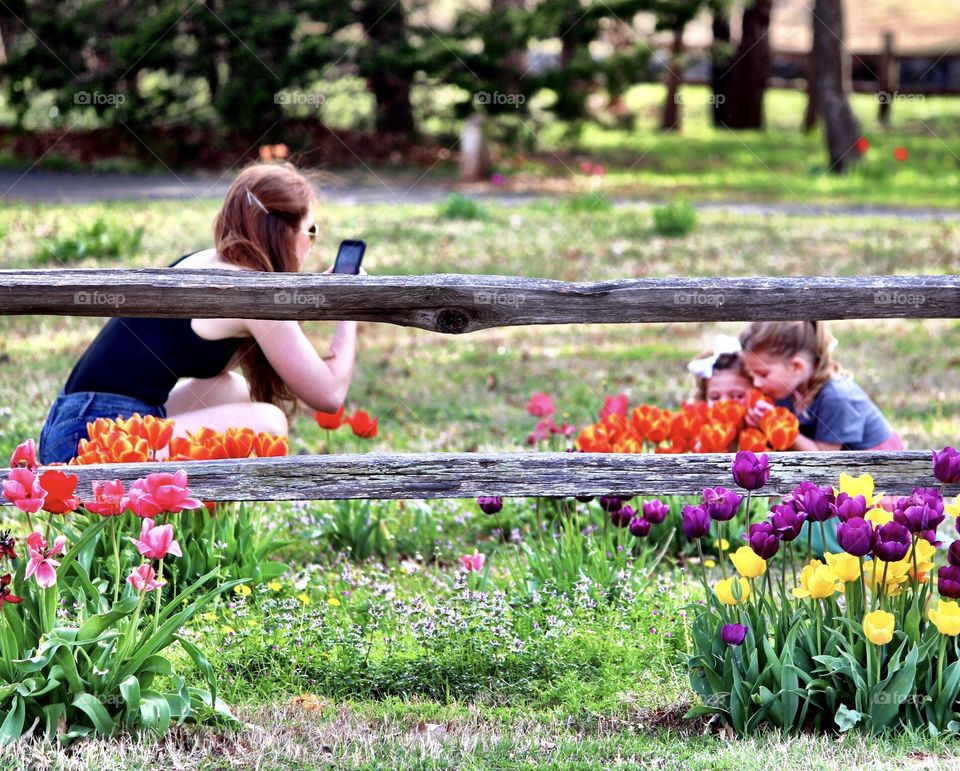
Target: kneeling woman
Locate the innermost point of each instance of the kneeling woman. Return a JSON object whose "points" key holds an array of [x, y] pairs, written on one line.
{"points": [[183, 368]]}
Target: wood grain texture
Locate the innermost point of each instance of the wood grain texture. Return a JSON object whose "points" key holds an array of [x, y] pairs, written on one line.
{"points": [[466, 475], [454, 304]]}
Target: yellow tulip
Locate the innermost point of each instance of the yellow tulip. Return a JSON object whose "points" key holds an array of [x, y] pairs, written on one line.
{"points": [[878, 627], [747, 563], [879, 516], [845, 566], [334, 602], [952, 509], [817, 581], [275, 586], [861, 485], [925, 552], [725, 591], [897, 573], [725, 544], [946, 617]]}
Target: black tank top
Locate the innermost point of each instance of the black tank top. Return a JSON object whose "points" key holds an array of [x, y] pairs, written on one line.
{"points": [[145, 357]]}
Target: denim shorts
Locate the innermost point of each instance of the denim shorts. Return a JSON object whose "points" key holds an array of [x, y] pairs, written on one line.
{"points": [[67, 420]]}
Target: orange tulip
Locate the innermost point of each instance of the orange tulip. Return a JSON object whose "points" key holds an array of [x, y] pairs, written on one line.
{"points": [[752, 440], [728, 411], [781, 428], [100, 427], [716, 437], [270, 445], [238, 442]]}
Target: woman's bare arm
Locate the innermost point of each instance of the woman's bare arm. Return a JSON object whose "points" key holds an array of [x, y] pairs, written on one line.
{"points": [[320, 381]]}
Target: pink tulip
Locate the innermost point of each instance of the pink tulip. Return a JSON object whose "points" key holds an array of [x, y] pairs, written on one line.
{"points": [[542, 431], [22, 488], [109, 499], [41, 562], [25, 456], [615, 405], [473, 563], [156, 541], [144, 578], [540, 405], [157, 493]]}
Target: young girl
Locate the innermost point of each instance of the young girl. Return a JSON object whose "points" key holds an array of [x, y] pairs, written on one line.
{"points": [[721, 375], [792, 362]]}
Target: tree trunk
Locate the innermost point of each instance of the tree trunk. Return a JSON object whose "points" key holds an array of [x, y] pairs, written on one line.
{"points": [[745, 78], [721, 53], [392, 92], [810, 114], [385, 24], [833, 84], [671, 105]]}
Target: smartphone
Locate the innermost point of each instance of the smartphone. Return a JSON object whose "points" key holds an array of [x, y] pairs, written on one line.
{"points": [[349, 257]]}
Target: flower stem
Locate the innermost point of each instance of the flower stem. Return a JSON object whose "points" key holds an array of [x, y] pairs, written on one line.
{"points": [[116, 559], [943, 653]]}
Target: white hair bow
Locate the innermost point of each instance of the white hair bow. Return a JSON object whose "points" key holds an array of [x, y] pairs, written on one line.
{"points": [[722, 344]]}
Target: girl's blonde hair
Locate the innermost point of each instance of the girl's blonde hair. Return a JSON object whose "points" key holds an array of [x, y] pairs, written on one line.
{"points": [[724, 363], [786, 339], [256, 228]]}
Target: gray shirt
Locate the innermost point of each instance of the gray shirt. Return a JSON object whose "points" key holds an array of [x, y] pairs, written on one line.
{"points": [[842, 413]]}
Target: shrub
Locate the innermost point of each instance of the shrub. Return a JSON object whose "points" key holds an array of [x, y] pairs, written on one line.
{"points": [[677, 218]]}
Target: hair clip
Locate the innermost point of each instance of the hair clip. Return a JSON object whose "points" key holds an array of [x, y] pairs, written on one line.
{"points": [[722, 344], [252, 199]]}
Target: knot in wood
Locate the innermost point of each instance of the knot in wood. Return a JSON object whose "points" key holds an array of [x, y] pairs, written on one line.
{"points": [[450, 320]]}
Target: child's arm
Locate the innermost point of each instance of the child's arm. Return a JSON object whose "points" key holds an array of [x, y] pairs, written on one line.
{"points": [[805, 444]]}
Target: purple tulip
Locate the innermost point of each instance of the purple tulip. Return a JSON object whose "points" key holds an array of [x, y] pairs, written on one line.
{"points": [[948, 581], [891, 542], [946, 466], [921, 511], [639, 527], [696, 521], [622, 516], [816, 502], [490, 504], [953, 554], [848, 508], [930, 536], [787, 521], [584, 498], [721, 504], [733, 634], [763, 539], [749, 471], [610, 503], [655, 511], [855, 536]]}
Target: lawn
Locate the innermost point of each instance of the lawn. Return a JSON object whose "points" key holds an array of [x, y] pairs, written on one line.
{"points": [[372, 650]]}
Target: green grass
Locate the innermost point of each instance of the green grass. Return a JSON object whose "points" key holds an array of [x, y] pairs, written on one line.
{"points": [[610, 693]]}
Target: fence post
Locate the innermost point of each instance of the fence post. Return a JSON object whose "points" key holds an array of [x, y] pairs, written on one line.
{"points": [[889, 79]]}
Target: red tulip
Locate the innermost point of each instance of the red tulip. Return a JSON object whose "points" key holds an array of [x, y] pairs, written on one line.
{"points": [[900, 153], [862, 145], [60, 488], [363, 425], [330, 420]]}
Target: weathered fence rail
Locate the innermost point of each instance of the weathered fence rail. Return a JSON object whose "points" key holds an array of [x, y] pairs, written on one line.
{"points": [[466, 303], [465, 475]]}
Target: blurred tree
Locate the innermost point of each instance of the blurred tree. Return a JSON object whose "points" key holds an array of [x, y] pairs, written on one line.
{"points": [[832, 81], [674, 15], [740, 74]]}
